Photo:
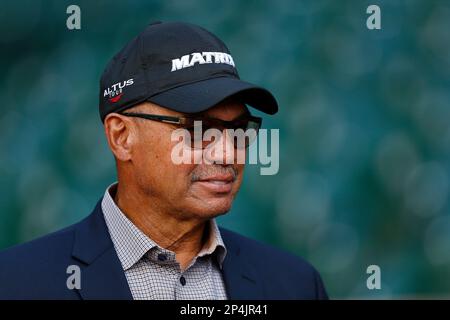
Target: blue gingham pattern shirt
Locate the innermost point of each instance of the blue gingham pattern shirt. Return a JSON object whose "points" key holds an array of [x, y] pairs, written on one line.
{"points": [[153, 273]]}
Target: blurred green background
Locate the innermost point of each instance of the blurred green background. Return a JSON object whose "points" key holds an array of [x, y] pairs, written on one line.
{"points": [[364, 128]]}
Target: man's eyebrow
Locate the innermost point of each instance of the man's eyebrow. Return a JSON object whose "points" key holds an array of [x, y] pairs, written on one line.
{"points": [[245, 113]]}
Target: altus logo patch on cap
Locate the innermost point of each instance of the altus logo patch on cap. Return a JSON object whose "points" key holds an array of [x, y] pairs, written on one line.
{"points": [[189, 60], [115, 92]]}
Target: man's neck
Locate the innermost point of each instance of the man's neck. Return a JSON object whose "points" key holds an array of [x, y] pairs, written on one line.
{"points": [[183, 237]]}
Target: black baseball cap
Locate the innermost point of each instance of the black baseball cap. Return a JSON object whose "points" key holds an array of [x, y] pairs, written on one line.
{"points": [[179, 66]]}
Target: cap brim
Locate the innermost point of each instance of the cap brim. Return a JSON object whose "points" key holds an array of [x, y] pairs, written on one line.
{"points": [[202, 95]]}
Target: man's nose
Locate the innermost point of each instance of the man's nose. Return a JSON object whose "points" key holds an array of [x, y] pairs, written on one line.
{"points": [[221, 150]]}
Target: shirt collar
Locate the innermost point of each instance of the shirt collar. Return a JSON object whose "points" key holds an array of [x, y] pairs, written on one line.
{"points": [[131, 243]]}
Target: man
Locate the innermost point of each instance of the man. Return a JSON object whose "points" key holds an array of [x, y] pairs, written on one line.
{"points": [[153, 234]]}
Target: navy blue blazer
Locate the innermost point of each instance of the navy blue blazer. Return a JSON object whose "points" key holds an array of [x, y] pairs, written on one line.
{"points": [[38, 269]]}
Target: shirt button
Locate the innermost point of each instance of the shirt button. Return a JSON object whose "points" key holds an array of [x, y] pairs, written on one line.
{"points": [[183, 280], [162, 257]]}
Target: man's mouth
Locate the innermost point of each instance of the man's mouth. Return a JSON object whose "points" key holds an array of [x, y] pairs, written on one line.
{"points": [[219, 178], [218, 183]]}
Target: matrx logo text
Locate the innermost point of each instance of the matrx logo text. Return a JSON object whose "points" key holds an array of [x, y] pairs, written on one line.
{"points": [[190, 60]]}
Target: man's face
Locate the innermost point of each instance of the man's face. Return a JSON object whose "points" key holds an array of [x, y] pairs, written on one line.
{"points": [[186, 190]]}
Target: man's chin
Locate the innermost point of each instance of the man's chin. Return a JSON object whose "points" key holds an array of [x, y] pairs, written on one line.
{"points": [[213, 208]]}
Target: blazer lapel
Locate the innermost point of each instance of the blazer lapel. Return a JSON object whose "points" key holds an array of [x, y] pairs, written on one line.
{"points": [[240, 276], [102, 276]]}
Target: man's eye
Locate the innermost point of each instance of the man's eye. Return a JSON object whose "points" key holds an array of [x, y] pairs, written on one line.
{"points": [[191, 129], [241, 124]]}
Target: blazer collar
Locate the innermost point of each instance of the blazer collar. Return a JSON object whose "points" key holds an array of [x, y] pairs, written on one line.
{"points": [[102, 275], [240, 276]]}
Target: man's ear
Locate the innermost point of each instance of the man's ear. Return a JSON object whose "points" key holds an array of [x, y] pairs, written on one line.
{"points": [[121, 134]]}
